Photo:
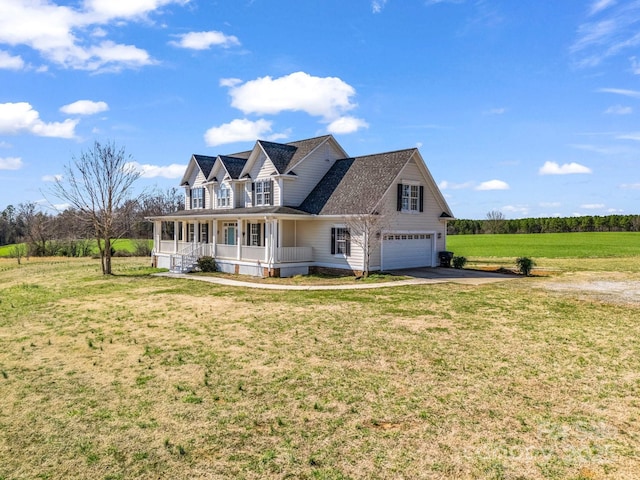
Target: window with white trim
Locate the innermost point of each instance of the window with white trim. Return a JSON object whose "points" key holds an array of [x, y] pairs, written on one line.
{"points": [[340, 241], [224, 196], [255, 234], [410, 197], [262, 192], [197, 197]]}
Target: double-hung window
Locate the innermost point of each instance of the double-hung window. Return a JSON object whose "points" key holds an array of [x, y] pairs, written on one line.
{"points": [[262, 192], [410, 197], [340, 241], [224, 196], [197, 197], [255, 237]]}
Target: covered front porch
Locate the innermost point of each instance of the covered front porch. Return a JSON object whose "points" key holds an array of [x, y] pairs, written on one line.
{"points": [[260, 246]]}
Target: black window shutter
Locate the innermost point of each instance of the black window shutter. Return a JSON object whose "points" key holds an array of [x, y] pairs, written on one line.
{"points": [[190, 199], [399, 205], [253, 194], [421, 198], [273, 194], [333, 241], [203, 194], [259, 236], [347, 241]]}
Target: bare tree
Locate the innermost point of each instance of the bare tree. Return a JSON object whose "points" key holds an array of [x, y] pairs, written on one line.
{"points": [[97, 185], [365, 231], [494, 222]]}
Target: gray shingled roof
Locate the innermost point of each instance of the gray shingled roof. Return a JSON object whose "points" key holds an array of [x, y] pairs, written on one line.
{"points": [[233, 165], [355, 185], [205, 163], [279, 154]]}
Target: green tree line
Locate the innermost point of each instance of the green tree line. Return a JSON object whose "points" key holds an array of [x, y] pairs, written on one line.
{"points": [[70, 233], [495, 223]]}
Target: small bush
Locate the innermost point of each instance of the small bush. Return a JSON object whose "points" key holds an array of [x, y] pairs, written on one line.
{"points": [[207, 264], [459, 262], [142, 248], [525, 265]]}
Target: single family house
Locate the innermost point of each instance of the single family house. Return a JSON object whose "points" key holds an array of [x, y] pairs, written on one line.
{"points": [[283, 209]]}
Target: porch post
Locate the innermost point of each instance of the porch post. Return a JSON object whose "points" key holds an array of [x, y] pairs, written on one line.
{"points": [[175, 236], [267, 240], [196, 232], [279, 243], [239, 239], [214, 237]]}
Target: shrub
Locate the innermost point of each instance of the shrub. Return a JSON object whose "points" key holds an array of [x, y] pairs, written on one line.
{"points": [[207, 264], [459, 262], [142, 248], [525, 265]]}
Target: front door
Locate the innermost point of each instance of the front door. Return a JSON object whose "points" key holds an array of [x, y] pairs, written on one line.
{"points": [[230, 233]]}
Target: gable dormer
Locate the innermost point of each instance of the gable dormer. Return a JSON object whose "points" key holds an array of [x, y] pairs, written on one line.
{"points": [[194, 181]]}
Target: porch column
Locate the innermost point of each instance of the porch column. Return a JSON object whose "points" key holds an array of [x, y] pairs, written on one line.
{"points": [[239, 238], [157, 235], [175, 236], [214, 237], [279, 244], [196, 232], [267, 240]]}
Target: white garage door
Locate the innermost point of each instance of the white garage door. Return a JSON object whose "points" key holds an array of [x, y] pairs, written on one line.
{"points": [[406, 250]]}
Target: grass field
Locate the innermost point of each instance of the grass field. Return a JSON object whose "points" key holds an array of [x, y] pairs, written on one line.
{"points": [[121, 245], [548, 245], [135, 376]]}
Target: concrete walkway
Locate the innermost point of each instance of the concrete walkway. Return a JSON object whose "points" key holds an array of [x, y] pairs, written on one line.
{"points": [[420, 276]]}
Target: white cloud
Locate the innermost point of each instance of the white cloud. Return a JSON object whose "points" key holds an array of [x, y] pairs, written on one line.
{"points": [[66, 35], [618, 110], [592, 206], [600, 5], [517, 209], [84, 107], [493, 185], [629, 136], [10, 62], [621, 91], [238, 130], [630, 186], [204, 40], [51, 178], [104, 10], [10, 163], [378, 5], [613, 32], [326, 97], [550, 204], [152, 171], [553, 168], [16, 118], [346, 125]]}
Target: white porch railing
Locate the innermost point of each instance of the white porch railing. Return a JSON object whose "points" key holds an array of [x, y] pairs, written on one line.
{"points": [[226, 251], [188, 251], [294, 254]]}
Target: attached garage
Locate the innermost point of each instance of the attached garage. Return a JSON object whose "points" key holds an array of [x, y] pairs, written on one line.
{"points": [[407, 250]]}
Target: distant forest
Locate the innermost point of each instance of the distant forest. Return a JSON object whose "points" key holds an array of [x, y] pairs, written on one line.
{"points": [[495, 223]]}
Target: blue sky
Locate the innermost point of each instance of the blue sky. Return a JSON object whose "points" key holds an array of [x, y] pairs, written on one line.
{"points": [[529, 108]]}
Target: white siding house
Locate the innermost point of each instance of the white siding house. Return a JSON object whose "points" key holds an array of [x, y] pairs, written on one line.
{"points": [[288, 209]]}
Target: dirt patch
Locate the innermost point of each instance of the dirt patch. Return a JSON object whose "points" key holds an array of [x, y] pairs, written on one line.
{"points": [[610, 288]]}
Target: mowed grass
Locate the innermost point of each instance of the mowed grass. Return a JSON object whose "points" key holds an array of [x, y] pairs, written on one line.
{"points": [[121, 245], [134, 376], [548, 245]]}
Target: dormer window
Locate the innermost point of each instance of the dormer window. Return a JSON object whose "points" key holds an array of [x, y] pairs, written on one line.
{"points": [[224, 196], [263, 192], [197, 198]]}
